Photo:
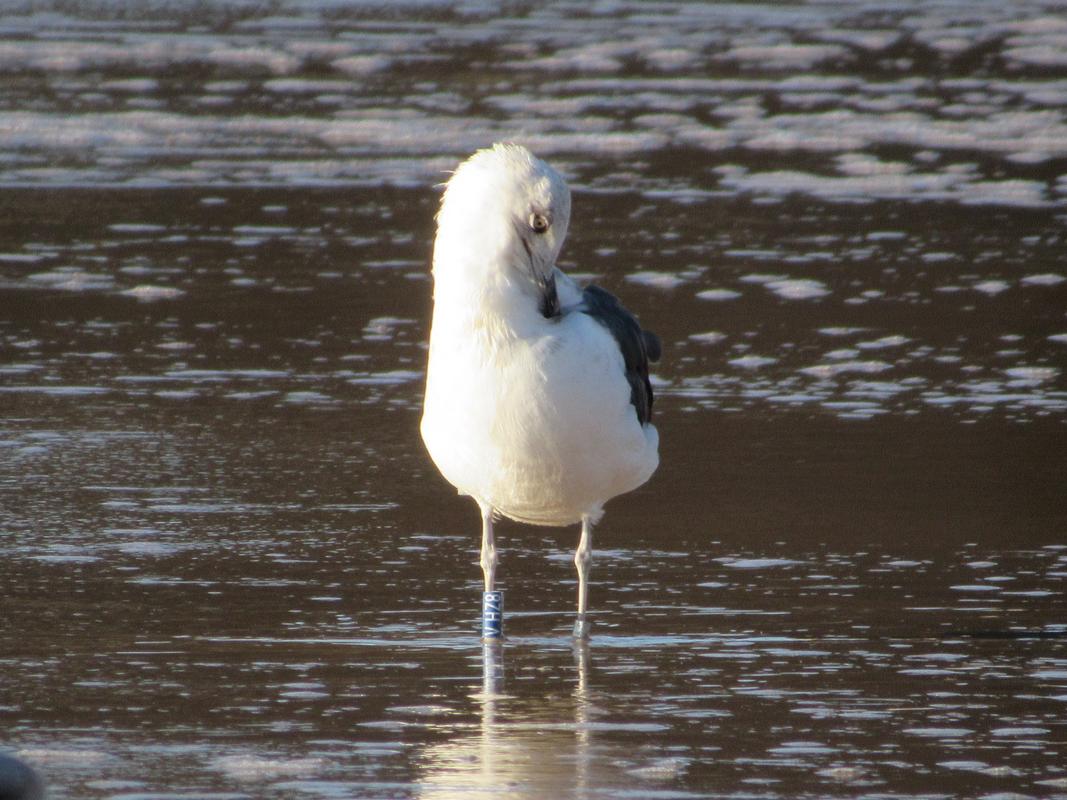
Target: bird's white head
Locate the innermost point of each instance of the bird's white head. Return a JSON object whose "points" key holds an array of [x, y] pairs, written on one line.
{"points": [[502, 222]]}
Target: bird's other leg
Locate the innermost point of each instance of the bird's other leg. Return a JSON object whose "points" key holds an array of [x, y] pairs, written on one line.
{"points": [[488, 559], [583, 558]]}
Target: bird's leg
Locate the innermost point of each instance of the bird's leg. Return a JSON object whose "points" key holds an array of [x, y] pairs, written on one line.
{"points": [[583, 558], [488, 560]]}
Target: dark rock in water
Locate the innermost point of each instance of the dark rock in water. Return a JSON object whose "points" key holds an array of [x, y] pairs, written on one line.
{"points": [[18, 781]]}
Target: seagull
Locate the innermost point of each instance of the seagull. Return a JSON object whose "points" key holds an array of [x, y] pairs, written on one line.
{"points": [[538, 403]]}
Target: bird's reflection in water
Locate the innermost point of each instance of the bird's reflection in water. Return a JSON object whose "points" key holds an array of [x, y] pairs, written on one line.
{"points": [[524, 749]]}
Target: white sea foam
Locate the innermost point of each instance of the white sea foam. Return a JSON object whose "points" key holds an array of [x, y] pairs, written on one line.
{"points": [[718, 294], [266, 767], [362, 65], [1032, 374], [752, 362], [656, 280], [783, 56], [605, 90], [758, 277], [842, 354], [757, 563], [395, 377], [798, 288], [150, 294], [992, 287], [840, 367], [883, 343], [66, 757], [709, 337], [1043, 279], [307, 398]]}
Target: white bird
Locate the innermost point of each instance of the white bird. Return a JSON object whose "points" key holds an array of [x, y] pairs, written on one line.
{"points": [[538, 402]]}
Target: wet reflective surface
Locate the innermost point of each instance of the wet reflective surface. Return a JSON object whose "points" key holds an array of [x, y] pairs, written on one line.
{"points": [[231, 571]]}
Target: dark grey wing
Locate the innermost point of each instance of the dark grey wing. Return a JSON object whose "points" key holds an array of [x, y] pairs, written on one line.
{"points": [[18, 781], [638, 346]]}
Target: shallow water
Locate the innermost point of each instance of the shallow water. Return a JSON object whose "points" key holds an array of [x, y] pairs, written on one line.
{"points": [[230, 569]]}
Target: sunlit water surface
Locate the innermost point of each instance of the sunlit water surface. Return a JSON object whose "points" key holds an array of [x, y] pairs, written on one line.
{"points": [[230, 571]]}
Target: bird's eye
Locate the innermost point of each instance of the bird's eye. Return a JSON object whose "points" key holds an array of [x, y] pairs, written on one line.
{"points": [[538, 223]]}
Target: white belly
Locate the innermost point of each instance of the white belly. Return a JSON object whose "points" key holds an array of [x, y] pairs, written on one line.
{"points": [[541, 429]]}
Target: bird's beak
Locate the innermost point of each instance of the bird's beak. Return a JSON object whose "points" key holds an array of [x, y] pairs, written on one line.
{"points": [[544, 283], [549, 302]]}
